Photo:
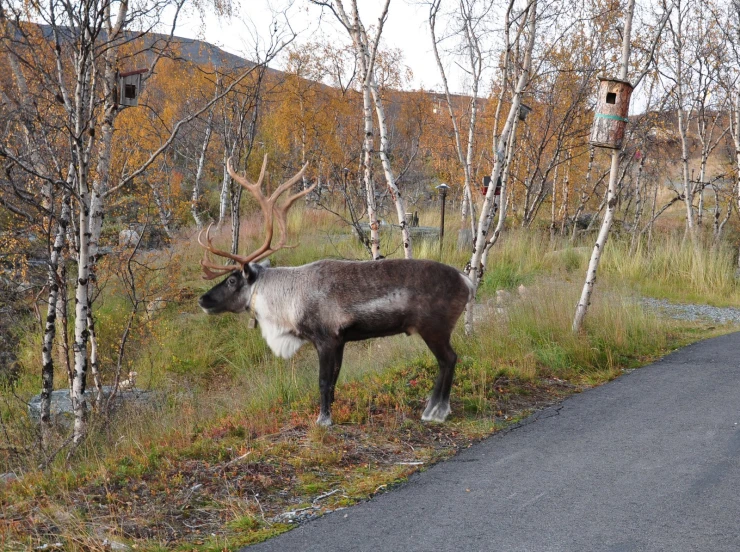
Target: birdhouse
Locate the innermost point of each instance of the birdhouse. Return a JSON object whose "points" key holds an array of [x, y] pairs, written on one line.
{"points": [[524, 110], [487, 182], [129, 87], [612, 108]]}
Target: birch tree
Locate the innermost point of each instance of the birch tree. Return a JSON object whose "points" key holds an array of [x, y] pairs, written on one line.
{"points": [[682, 69], [240, 112], [468, 19], [366, 51], [612, 190], [593, 265], [74, 66], [501, 147], [730, 80], [195, 201], [711, 103]]}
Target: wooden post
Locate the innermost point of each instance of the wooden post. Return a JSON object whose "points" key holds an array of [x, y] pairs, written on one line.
{"points": [[443, 191]]}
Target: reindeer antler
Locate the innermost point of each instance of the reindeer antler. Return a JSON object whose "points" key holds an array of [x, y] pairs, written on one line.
{"points": [[212, 270], [271, 211]]}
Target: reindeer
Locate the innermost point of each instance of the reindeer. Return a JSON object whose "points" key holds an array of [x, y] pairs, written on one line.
{"points": [[331, 302]]}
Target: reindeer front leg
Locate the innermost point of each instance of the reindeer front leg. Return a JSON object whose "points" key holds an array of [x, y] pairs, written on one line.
{"points": [[337, 368], [330, 361]]}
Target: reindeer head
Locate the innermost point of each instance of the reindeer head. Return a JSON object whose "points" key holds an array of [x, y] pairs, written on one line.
{"points": [[234, 294]]}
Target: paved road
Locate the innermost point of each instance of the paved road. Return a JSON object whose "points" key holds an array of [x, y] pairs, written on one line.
{"points": [[650, 461]]}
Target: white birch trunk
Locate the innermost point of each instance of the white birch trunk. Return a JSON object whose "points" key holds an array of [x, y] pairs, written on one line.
{"points": [[702, 176], [474, 268], [47, 351], [566, 195], [468, 206], [395, 193], [164, 210], [91, 199], [504, 199], [367, 149], [688, 190], [611, 199], [366, 61], [82, 305], [736, 139], [365, 53], [223, 199], [196, 196], [553, 204], [99, 193]]}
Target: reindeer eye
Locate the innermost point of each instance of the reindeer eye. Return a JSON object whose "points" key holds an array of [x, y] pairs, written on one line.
{"points": [[232, 281]]}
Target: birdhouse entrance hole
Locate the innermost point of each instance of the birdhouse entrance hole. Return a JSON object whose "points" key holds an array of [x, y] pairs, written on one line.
{"points": [[611, 98], [130, 92]]}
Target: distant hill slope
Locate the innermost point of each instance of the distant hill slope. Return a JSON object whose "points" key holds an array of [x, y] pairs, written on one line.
{"points": [[192, 50]]}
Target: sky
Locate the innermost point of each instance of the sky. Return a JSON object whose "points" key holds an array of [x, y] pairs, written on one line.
{"points": [[406, 29]]}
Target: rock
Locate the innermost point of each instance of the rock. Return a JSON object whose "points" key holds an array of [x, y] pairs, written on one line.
{"points": [[502, 296], [154, 306], [584, 219], [464, 239], [128, 238], [61, 404], [523, 291], [115, 545], [129, 383], [8, 478], [51, 546]]}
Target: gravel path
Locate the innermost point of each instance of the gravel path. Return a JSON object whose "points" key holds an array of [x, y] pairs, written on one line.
{"points": [[721, 315]]}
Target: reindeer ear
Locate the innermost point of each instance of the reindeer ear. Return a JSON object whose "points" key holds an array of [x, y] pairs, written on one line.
{"points": [[265, 263], [250, 273]]}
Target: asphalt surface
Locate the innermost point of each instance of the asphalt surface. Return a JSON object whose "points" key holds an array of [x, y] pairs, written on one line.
{"points": [[650, 461]]}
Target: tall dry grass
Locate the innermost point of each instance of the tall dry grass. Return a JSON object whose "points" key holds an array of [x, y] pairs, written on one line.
{"points": [[676, 269]]}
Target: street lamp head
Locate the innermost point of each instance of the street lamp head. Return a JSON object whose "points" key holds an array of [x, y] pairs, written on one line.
{"points": [[443, 188]]}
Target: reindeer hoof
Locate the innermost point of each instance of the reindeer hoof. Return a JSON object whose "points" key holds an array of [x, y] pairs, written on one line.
{"points": [[436, 412], [324, 420]]}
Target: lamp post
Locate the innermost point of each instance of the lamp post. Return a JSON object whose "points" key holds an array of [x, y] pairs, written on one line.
{"points": [[345, 172], [443, 192]]}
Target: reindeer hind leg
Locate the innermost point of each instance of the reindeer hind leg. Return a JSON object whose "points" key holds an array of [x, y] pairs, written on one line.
{"points": [[438, 407]]}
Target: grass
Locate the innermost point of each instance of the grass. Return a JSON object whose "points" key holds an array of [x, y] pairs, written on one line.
{"points": [[676, 271], [232, 448]]}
